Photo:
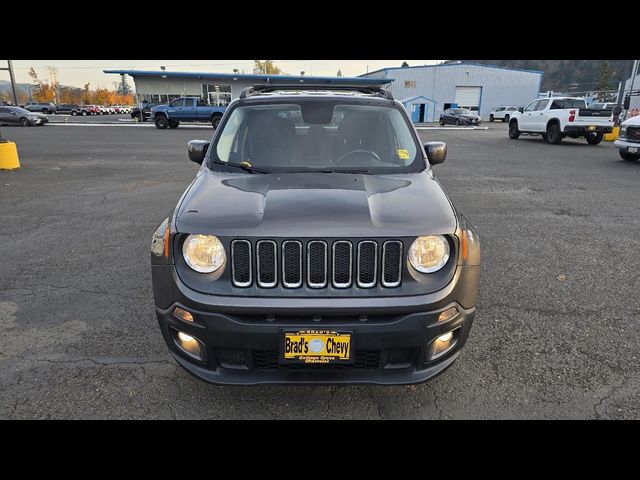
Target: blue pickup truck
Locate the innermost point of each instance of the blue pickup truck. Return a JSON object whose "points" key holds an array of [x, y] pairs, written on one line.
{"points": [[187, 109]]}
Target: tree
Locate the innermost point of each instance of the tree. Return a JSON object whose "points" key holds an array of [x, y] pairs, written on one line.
{"points": [[87, 93], [47, 92], [124, 88], [404, 64], [604, 80], [266, 67], [339, 74]]}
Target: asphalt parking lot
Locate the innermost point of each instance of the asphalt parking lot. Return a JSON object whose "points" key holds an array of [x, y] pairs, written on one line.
{"points": [[555, 335]]}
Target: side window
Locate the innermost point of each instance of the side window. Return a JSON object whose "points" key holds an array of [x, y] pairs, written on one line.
{"points": [[188, 102], [542, 105], [4, 110], [511, 109], [501, 109], [532, 106], [178, 103]]}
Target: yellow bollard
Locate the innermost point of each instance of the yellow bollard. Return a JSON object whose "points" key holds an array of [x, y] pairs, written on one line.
{"points": [[613, 136], [8, 156]]}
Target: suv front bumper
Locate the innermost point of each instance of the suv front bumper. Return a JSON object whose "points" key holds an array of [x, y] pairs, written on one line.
{"points": [[391, 336]]}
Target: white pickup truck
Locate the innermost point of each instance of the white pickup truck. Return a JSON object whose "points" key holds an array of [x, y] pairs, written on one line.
{"points": [[557, 117]]}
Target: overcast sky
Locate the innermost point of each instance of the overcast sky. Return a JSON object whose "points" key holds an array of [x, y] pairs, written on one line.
{"points": [[78, 72]]}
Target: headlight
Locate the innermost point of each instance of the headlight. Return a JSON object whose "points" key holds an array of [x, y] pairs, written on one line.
{"points": [[429, 254], [203, 253], [623, 131]]}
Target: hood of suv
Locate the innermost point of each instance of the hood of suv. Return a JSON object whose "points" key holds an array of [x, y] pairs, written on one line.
{"points": [[315, 205]]}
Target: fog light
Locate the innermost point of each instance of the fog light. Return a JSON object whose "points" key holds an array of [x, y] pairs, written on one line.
{"points": [[443, 344], [447, 314], [183, 314], [190, 344], [446, 338], [184, 338]]}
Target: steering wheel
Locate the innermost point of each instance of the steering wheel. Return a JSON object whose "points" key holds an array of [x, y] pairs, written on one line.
{"points": [[353, 152]]}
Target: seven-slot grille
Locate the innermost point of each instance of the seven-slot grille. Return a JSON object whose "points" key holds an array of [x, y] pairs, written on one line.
{"points": [[341, 263], [633, 133]]}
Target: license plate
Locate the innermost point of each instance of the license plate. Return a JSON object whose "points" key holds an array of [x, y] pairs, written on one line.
{"points": [[632, 149], [317, 346], [591, 128]]}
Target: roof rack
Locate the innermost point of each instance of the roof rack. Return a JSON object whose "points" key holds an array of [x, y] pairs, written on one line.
{"points": [[268, 88]]}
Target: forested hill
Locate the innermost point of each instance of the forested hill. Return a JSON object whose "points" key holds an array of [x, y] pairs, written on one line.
{"points": [[560, 74]]}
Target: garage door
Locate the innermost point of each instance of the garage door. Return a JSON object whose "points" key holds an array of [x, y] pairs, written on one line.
{"points": [[468, 97]]}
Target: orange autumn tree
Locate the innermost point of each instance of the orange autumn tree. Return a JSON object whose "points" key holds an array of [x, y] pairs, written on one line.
{"points": [[46, 91]]}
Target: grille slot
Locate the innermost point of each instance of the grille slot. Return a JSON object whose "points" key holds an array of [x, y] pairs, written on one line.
{"points": [[391, 263], [317, 264], [266, 259], [342, 263], [292, 264], [241, 263], [633, 133], [367, 263]]}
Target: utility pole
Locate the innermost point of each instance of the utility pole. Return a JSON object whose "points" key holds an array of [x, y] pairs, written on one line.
{"points": [[13, 81]]}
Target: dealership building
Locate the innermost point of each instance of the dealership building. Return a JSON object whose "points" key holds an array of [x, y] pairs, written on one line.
{"points": [[424, 90], [219, 88], [428, 90]]}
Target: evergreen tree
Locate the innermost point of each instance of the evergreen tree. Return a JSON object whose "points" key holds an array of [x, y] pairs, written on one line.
{"points": [[404, 64]]}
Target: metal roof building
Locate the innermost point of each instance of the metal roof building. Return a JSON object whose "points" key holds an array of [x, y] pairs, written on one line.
{"points": [[219, 88], [428, 90]]}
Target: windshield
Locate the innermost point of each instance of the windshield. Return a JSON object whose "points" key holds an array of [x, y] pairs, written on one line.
{"points": [[319, 135], [462, 111], [22, 111]]}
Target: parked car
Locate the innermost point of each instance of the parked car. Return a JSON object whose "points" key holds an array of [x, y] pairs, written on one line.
{"points": [[459, 116], [45, 108], [103, 110], [125, 109], [69, 108], [628, 143], [146, 111], [502, 113], [322, 267], [21, 116], [89, 110], [188, 109], [602, 106], [557, 117]]}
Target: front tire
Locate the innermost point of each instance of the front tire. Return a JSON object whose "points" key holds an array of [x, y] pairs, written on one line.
{"points": [[161, 122], [505, 119], [491, 118], [514, 133], [441, 122], [457, 121], [24, 122], [173, 124], [554, 135], [594, 139], [84, 113], [629, 157], [215, 121]]}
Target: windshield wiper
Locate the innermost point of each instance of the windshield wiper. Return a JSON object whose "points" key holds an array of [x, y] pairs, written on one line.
{"points": [[244, 166]]}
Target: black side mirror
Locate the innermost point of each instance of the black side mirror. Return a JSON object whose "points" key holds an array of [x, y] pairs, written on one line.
{"points": [[627, 102], [197, 150], [521, 109], [436, 152], [617, 110]]}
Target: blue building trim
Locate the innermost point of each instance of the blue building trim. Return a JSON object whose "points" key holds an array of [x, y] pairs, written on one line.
{"points": [[252, 76]]}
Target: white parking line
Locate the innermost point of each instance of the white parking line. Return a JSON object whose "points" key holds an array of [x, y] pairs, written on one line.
{"points": [[94, 124], [452, 128]]}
